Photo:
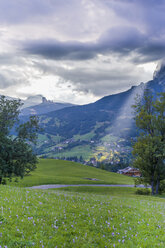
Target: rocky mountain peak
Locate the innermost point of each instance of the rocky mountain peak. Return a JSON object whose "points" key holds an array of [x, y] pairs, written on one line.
{"points": [[34, 100], [159, 73], [44, 100]]}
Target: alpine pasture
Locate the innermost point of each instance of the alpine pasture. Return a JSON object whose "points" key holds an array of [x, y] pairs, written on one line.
{"points": [[51, 171], [78, 216]]}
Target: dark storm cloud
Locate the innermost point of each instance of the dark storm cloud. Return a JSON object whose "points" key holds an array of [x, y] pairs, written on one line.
{"points": [[121, 40], [65, 38], [148, 16], [97, 78], [151, 51], [141, 35], [60, 50], [97, 81], [144, 35]]}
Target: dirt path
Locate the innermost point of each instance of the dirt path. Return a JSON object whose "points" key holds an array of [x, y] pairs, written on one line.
{"points": [[56, 186]]}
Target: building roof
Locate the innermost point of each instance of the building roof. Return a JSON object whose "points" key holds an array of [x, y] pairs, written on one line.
{"points": [[128, 169]]}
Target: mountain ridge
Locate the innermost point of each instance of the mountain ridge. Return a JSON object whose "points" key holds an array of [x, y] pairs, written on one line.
{"points": [[38, 104], [102, 130], [45, 107]]}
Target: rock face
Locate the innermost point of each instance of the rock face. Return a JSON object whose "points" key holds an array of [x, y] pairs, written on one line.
{"points": [[44, 100], [40, 105], [157, 85], [33, 100], [159, 73]]}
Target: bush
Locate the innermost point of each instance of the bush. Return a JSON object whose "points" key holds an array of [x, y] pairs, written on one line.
{"points": [[162, 187], [4, 181], [16, 180], [139, 181], [144, 191]]}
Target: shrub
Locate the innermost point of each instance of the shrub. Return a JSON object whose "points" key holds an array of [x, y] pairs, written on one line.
{"points": [[162, 187], [3, 181], [144, 191]]}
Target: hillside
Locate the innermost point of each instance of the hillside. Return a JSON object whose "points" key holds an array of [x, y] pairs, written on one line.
{"points": [[44, 107], [51, 171], [70, 130], [100, 131]]}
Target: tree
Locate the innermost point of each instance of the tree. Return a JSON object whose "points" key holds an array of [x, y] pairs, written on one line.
{"points": [[16, 154], [149, 149]]}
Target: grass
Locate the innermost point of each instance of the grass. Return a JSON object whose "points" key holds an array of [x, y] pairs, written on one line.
{"points": [[102, 218], [74, 217], [109, 138], [82, 150], [51, 171], [113, 191], [87, 136]]}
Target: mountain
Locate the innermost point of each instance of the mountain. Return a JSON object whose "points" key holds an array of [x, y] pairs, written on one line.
{"points": [[37, 105], [32, 101], [83, 119], [98, 131], [159, 73]]}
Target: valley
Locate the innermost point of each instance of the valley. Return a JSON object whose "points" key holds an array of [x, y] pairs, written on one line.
{"points": [[99, 132], [103, 131]]}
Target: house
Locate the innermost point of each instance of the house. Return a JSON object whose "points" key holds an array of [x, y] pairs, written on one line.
{"points": [[129, 171]]}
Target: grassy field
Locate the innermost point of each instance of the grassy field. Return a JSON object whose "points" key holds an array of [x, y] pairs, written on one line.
{"points": [[79, 217], [51, 171], [113, 191], [106, 217], [77, 151]]}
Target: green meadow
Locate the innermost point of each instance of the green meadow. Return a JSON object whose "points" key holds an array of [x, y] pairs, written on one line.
{"points": [[50, 218], [51, 171], [78, 217]]}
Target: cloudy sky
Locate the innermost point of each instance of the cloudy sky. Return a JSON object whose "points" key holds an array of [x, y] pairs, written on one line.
{"points": [[78, 50]]}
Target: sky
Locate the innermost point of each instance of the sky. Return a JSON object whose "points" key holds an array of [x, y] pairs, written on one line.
{"points": [[78, 50]]}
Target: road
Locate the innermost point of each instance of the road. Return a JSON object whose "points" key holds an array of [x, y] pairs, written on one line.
{"points": [[56, 186]]}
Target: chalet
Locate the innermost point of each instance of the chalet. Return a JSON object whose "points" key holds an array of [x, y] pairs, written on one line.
{"points": [[129, 171]]}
